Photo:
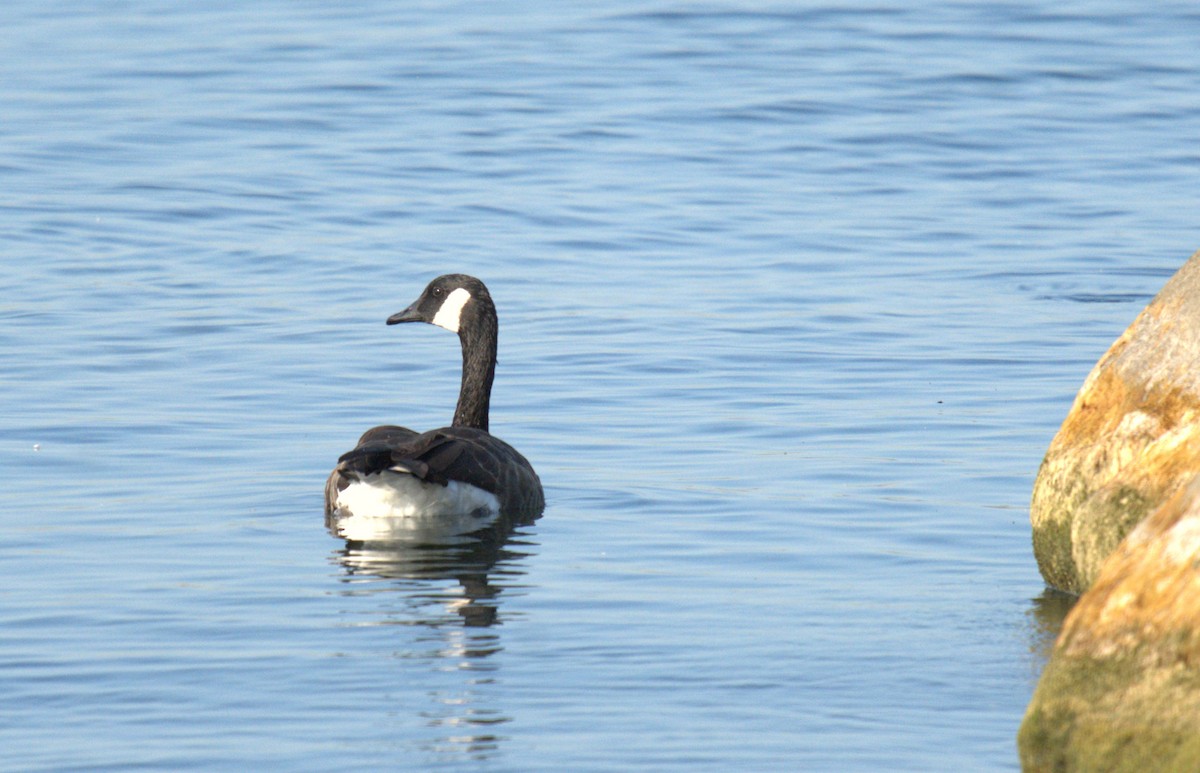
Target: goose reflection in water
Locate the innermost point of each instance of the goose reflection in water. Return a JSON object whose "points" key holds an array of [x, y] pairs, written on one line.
{"points": [[419, 569], [451, 592]]}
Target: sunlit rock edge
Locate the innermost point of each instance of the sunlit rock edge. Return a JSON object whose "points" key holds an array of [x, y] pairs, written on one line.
{"points": [[1129, 441]]}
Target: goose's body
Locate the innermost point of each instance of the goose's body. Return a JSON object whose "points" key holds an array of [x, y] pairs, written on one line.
{"points": [[453, 480]]}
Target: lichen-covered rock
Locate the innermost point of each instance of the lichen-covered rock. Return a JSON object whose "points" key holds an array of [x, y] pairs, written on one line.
{"points": [[1121, 691], [1130, 440]]}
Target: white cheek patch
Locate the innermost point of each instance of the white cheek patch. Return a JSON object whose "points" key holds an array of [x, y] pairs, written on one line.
{"points": [[451, 311]]}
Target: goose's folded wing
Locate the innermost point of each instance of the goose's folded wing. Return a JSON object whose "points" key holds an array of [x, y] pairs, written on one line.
{"points": [[465, 455], [477, 458], [460, 454]]}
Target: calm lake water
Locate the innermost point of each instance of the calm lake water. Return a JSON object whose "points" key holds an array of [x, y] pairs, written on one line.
{"points": [[793, 298]]}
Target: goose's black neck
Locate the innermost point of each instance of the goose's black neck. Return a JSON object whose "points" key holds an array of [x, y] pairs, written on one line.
{"points": [[478, 336]]}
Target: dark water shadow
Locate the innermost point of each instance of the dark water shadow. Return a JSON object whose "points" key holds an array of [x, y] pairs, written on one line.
{"points": [[449, 599], [1047, 612]]}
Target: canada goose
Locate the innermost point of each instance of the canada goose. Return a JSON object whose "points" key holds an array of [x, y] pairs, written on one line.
{"points": [[397, 482]]}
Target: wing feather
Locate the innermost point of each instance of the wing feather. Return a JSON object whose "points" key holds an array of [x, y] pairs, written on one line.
{"points": [[463, 454]]}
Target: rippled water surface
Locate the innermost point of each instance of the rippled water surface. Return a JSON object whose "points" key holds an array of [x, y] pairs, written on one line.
{"points": [[793, 297]]}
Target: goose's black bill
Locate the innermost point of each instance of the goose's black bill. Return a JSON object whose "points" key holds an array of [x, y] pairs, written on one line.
{"points": [[411, 314]]}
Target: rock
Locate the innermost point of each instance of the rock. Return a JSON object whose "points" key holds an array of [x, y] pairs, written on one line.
{"points": [[1130, 440], [1121, 691]]}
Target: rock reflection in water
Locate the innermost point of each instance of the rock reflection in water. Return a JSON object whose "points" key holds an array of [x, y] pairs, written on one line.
{"points": [[454, 592], [1047, 613]]}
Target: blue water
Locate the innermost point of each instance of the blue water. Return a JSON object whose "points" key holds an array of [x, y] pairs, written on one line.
{"points": [[793, 298]]}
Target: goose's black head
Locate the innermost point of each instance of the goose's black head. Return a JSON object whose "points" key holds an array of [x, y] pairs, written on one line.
{"points": [[454, 301]]}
